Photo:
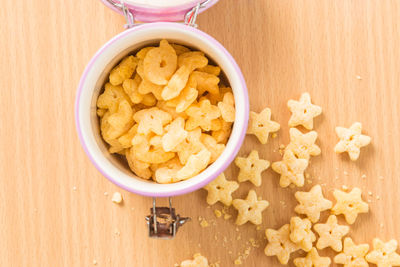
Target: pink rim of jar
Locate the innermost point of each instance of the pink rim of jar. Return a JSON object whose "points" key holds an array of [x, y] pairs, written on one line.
{"points": [[241, 132], [146, 13]]}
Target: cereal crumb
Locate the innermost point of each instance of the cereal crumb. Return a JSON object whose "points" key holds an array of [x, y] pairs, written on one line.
{"points": [[227, 216], [281, 146], [363, 176], [94, 262], [308, 175], [204, 223], [345, 173], [106, 193], [370, 193], [217, 213], [378, 197], [237, 229], [117, 198], [238, 237], [380, 177], [230, 252], [117, 232], [345, 188], [381, 225], [274, 135], [208, 207], [74, 188], [369, 201], [238, 261], [309, 181], [215, 237], [258, 228], [358, 77]]}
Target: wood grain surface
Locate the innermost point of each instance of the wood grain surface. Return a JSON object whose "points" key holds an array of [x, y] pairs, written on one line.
{"points": [[53, 208]]}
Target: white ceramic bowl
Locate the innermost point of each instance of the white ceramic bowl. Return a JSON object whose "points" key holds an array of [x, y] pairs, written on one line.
{"points": [[95, 76]]}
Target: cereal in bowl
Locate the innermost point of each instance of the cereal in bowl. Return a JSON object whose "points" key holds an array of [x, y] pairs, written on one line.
{"points": [[166, 110]]}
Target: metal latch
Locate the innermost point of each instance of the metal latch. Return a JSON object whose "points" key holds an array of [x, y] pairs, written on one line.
{"points": [[163, 222]]}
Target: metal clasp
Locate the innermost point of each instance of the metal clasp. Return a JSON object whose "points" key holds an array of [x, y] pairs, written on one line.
{"points": [[163, 222], [191, 15], [130, 18]]}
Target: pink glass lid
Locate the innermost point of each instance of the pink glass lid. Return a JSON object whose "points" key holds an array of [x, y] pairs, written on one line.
{"points": [[159, 10]]}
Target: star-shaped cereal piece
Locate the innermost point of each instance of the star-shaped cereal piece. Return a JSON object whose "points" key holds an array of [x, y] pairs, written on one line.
{"points": [[221, 190], [303, 112], [251, 168], [279, 244], [384, 254], [352, 255], [331, 234], [303, 145], [291, 169], [312, 260], [349, 204], [191, 145], [301, 233], [261, 125], [227, 107], [351, 140], [151, 120], [250, 209], [312, 203], [202, 114], [198, 261]]}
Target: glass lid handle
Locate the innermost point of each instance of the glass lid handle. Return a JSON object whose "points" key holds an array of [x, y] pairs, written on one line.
{"points": [[130, 18]]}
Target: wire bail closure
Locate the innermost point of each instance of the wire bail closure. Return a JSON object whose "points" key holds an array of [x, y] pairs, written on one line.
{"points": [[130, 18], [163, 223]]}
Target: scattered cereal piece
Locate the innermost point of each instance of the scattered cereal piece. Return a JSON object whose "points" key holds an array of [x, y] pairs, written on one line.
{"points": [[364, 176], [312, 259], [274, 135], [250, 209], [117, 198], [345, 187], [261, 125], [221, 190], [94, 262], [352, 255], [251, 168], [106, 193], [378, 197], [74, 188], [291, 169], [370, 193], [198, 261], [279, 244], [217, 213], [303, 112], [351, 140], [301, 233], [331, 234], [349, 204], [312, 203], [303, 145], [358, 77], [384, 254]]}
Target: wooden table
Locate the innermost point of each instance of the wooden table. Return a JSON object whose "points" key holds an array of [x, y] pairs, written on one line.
{"points": [[54, 209]]}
